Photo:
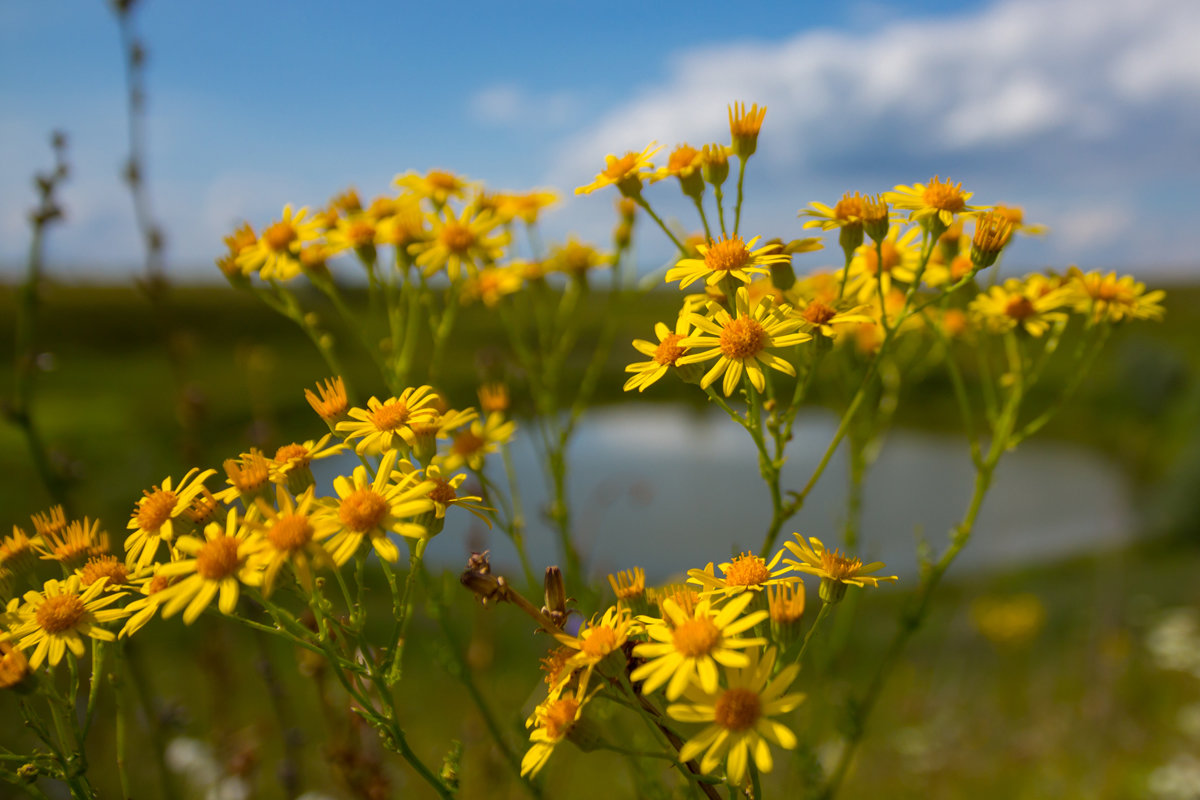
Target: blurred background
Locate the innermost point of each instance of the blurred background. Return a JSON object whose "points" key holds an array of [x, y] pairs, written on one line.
{"points": [[1070, 638]]}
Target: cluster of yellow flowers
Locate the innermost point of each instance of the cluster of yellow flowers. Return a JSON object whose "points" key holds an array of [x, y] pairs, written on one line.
{"points": [[728, 646], [188, 545]]}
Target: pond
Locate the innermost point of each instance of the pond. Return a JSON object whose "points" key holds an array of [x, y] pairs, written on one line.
{"points": [[668, 488]]}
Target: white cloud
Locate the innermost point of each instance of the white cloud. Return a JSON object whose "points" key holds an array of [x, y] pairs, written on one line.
{"points": [[1051, 102], [507, 105]]}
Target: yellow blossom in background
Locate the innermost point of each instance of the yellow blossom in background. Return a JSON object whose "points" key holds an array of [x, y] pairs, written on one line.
{"points": [[822, 318], [471, 447], [741, 343], [14, 666], [901, 256], [18, 551], [292, 463], [743, 573], [835, 570], [1016, 217], [292, 534], [330, 401], [688, 645], [493, 397], [663, 355], [626, 172], [216, 565], [59, 617], [1009, 621], [937, 200], [154, 517], [405, 226], [369, 509], [379, 425], [435, 185], [738, 717], [1105, 297], [275, 254], [51, 522], [684, 163], [526, 206], [575, 258], [358, 232], [491, 285], [728, 257], [248, 476], [73, 544], [628, 585], [744, 127], [458, 244], [552, 721], [847, 212], [1016, 303]]}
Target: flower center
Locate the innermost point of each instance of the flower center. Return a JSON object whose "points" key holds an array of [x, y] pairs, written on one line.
{"points": [[727, 254], [838, 566], [103, 567], [818, 313], [157, 584], [849, 208], [696, 637], [944, 196], [442, 492], [155, 509], [362, 510], [622, 166], [442, 181], [390, 415], [60, 613], [1019, 307], [682, 157], [599, 642], [559, 717], [218, 558], [360, 233], [891, 257], [457, 238], [669, 350], [737, 709], [290, 532], [742, 338], [293, 453], [1110, 291], [279, 236], [467, 443], [747, 570], [251, 474]]}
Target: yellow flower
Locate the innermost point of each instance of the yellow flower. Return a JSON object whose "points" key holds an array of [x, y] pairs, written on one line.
{"points": [[739, 717], [744, 573], [358, 232], [292, 464], [404, 226], [51, 522], [744, 127], [526, 206], [104, 567], [552, 721], [460, 243], [60, 616], [14, 667], [629, 585], [741, 343], [276, 252], [938, 200], [369, 509], [17, 552], [685, 163], [471, 446], [1113, 299], [901, 257], [332, 405], [1012, 620], [822, 318], [835, 570], [1018, 303], [597, 639], [154, 518], [248, 477], [625, 173], [847, 212], [491, 285], [443, 492], [218, 565], [575, 258], [436, 185], [493, 397], [1016, 217], [380, 424], [74, 544], [663, 355], [726, 257], [688, 645], [292, 534], [992, 232]]}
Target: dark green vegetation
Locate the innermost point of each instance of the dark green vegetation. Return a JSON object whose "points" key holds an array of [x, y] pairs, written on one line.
{"points": [[131, 399]]}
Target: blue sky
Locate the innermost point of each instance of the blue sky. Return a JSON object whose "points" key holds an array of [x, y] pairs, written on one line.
{"points": [[1086, 112]]}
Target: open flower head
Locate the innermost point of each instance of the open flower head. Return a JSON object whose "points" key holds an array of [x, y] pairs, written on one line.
{"points": [[74, 543], [380, 424], [59, 617], [626, 172], [471, 447], [741, 343], [727, 257], [663, 356], [369, 510], [1105, 297], [901, 254], [1020, 304], [216, 564], [435, 185], [835, 570], [934, 203], [552, 721], [292, 534], [688, 645], [460, 244], [154, 518], [738, 717], [744, 573], [598, 639], [276, 252], [292, 463]]}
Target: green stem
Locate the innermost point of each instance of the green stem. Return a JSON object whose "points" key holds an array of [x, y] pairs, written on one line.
{"points": [[697, 199], [824, 612], [404, 612], [737, 209], [720, 207], [646, 206]]}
